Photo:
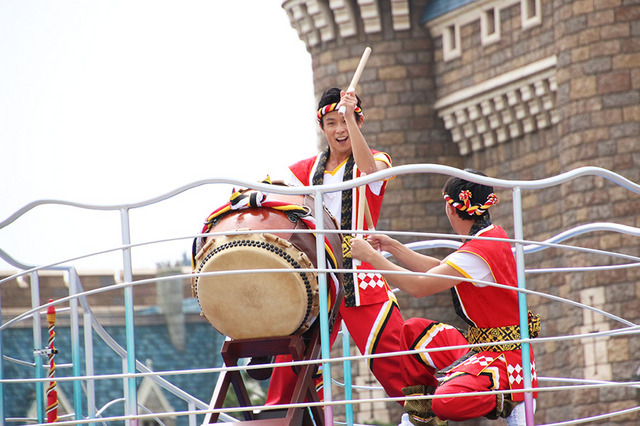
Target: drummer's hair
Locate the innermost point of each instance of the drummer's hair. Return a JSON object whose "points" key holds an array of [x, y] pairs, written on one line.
{"points": [[332, 96], [479, 194]]}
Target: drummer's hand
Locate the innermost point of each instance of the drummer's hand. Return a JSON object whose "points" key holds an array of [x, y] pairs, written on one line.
{"points": [[349, 101], [362, 250], [380, 241]]}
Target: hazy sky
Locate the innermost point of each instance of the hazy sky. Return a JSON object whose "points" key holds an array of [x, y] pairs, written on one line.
{"points": [[110, 102]]}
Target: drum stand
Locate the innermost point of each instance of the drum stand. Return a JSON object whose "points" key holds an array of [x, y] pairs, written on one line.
{"points": [[301, 348], [304, 390]]}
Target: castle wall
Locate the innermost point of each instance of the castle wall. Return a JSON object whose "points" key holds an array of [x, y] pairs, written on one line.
{"points": [[597, 94], [521, 90]]}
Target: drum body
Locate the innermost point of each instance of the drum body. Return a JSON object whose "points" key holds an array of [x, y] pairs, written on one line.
{"points": [[246, 305]]}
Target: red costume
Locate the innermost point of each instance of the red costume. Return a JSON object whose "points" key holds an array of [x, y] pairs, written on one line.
{"points": [[482, 307], [369, 309]]}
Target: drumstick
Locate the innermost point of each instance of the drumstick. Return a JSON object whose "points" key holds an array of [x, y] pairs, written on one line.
{"points": [[363, 209], [367, 215], [362, 202], [362, 205], [356, 75]]}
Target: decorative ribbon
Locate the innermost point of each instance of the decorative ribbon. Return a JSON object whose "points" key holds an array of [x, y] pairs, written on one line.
{"points": [[253, 199], [465, 204], [52, 394]]}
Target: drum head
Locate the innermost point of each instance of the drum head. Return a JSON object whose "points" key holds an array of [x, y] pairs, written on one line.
{"points": [[253, 305]]}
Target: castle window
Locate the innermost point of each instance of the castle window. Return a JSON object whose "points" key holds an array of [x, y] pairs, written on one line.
{"points": [[490, 26], [451, 42], [490, 21], [531, 13]]}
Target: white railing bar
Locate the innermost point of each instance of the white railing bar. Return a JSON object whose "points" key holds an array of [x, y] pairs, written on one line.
{"points": [[149, 373], [381, 175], [344, 402], [535, 246], [284, 270], [531, 247]]}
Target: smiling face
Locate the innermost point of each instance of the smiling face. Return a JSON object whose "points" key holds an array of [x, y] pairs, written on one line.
{"points": [[334, 127]]}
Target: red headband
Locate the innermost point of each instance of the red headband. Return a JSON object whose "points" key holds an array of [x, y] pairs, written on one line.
{"points": [[465, 204], [332, 107]]}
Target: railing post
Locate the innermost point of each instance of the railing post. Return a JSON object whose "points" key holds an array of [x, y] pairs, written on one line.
{"points": [[2, 414], [348, 394], [522, 305], [131, 395], [74, 326], [88, 365], [324, 309], [37, 343]]}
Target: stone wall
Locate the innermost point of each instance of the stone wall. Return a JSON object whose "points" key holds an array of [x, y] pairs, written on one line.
{"points": [[521, 90], [598, 94]]}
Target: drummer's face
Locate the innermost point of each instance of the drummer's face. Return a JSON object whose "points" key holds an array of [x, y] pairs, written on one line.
{"points": [[336, 132]]}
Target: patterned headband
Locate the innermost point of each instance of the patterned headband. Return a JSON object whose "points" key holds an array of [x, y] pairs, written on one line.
{"points": [[465, 204], [332, 107]]}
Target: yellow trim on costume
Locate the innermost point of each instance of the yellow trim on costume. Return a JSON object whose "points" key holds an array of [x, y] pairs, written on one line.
{"points": [[380, 156], [452, 375], [334, 171], [457, 268], [392, 296], [484, 260], [386, 160], [494, 375], [374, 337], [423, 342], [329, 252]]}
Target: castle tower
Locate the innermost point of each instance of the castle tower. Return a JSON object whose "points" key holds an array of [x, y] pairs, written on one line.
{"points": [[397, 88], [523, 90]]}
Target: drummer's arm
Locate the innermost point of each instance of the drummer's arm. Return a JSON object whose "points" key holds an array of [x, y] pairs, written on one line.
{"points": [[408, 258], [416, 285], [362, 154]]}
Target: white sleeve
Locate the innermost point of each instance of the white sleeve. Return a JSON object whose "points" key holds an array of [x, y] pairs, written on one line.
{"points": [[291, 179], [472, 266], [375, 187]]}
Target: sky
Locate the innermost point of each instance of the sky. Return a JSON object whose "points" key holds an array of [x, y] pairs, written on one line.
{"points": [[115, 102]]}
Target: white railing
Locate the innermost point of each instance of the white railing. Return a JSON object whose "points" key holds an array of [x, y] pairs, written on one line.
{"points": [[84, 385]]}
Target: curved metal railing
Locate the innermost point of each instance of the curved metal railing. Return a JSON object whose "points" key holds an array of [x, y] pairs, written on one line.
{"points": [[135, 369]]}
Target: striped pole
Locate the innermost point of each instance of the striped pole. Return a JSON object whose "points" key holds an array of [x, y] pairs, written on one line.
{"points": [[52, 394]]}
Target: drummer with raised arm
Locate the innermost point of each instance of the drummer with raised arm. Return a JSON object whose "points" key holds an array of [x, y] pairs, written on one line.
{"points": [[368, 302]]}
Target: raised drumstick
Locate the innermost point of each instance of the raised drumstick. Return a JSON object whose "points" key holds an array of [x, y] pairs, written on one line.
{"points": [[356, 75]]}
